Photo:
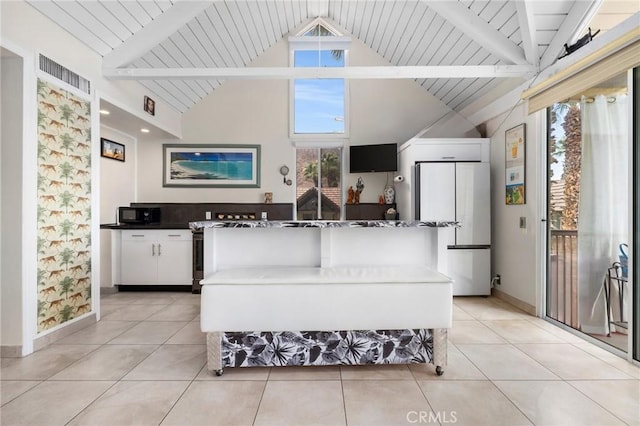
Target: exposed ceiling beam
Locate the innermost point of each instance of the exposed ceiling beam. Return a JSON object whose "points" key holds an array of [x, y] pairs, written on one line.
{"points": [[288, 73], [154, 32], [528, 31], [580, 14], [478, 30]]}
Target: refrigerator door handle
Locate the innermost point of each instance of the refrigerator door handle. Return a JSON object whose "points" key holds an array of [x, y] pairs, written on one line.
{"points": [[468, 247]]}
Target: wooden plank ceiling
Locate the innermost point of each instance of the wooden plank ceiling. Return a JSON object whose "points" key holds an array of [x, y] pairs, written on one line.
{"points": [[147, 34]]}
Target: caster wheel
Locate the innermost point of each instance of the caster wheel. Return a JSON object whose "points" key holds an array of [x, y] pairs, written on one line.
{"points": [[219, 372], [439, 371]]}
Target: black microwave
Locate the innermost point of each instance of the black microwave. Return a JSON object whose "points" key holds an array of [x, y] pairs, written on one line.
{"points": [[139, 214]]}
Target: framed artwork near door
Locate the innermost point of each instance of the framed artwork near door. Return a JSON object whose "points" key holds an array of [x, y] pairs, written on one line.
{"points": [[111, 149], [221, 166], [515, 149]]}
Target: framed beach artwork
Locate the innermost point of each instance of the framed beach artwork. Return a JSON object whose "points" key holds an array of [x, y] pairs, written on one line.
{"points": [[515, 146], [220, 166]]}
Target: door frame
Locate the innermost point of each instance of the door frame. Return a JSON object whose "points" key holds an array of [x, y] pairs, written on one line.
{"points": [[542, 241]]}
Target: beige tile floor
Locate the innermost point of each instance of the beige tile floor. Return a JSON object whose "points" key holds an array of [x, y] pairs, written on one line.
{"points": [[144, 364]]}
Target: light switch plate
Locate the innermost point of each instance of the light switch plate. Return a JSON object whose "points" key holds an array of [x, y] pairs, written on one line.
{"points": [[523, 222], [207, 215], [263, 215]]}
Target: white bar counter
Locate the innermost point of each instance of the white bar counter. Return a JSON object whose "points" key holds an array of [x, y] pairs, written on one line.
{"points": [[246, 244]]}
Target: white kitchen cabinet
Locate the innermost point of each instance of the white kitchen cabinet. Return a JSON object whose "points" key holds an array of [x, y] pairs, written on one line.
{"points": [[452, 151], [156, 257]]}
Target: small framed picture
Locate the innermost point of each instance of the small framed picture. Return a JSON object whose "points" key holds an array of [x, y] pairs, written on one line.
{"points": [[111, 149], [150, 105], [515, 149]]}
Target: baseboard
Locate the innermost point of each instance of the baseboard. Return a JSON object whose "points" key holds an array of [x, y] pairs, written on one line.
{"points": [[531, 310], [10, 351], [44, 341], [108, 290]]}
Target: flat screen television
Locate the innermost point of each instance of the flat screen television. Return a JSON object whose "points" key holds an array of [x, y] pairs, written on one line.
{"points": [[373, 158]]}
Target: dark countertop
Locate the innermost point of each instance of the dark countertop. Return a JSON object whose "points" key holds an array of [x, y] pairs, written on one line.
{"points": [[115, 226], [320, 224]]}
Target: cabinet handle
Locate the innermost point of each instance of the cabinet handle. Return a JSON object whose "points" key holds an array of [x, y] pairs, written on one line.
{"points": [[153, 249], [159, 249], [137, 235], [449, 158], [174, 235]]}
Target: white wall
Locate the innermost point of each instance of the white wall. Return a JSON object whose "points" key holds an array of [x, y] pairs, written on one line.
{"points": [[257, 112], [515, 251], [27, 32], [117, 178], [23, 25], [117, 188], [238, 112], [11, 200]]}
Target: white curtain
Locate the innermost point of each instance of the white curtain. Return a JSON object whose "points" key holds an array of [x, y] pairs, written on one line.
{"points": [[604, 205]]}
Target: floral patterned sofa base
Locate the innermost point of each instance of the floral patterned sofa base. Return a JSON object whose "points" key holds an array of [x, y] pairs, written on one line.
{"points": [[346, 347]]}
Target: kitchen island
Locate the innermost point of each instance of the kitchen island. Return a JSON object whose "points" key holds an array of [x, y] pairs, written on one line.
{"points": [[317, 288], [231, 244]]}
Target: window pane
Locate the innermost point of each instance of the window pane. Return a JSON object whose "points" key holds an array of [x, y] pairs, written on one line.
{"points": [[318, 187], [319, 30], [331, 183], [318, 58], [319, 106], [318, 103], [306, 184]]}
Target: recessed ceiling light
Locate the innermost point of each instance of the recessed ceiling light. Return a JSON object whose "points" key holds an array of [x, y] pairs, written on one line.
{"points": [[144, 130], [104, 112]]}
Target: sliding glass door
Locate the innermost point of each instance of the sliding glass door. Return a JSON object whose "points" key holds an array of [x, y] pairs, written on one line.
{"points": [[636, 212], [588, 212]]}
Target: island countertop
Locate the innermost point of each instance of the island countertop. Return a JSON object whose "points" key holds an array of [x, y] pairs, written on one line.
{"points": [[200, 225]]}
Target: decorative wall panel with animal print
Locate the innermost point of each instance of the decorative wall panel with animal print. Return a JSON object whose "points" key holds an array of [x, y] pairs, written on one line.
{"points": [[64, 206]]}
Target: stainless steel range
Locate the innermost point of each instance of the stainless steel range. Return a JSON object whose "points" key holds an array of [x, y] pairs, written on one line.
{"points": [[198, 266], [198, 247]]}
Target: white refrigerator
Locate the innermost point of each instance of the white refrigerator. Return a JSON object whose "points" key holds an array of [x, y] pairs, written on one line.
{"points": [[460, 192]]}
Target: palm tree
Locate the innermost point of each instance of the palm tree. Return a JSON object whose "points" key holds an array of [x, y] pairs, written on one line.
{"points": [[41, 214], [330, 168], [65, 200], [66, 141], [310, 172], [41, 181], [41, 119], [40, 245], [65, 285], [66, 112], [66, 313], [41, 86], [41, 307], [66, 256], [556, 146], [40, 276], [41, 150], [571, 171], [65, 170]]}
